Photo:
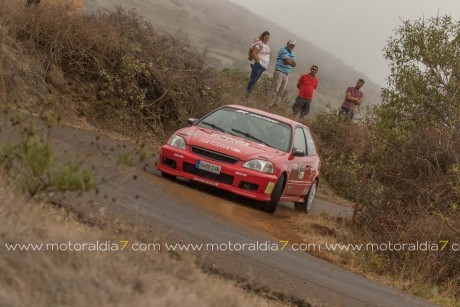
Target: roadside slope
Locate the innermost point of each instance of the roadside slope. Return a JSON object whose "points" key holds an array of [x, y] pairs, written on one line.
{"points": [[72, 274], [222, 31]]}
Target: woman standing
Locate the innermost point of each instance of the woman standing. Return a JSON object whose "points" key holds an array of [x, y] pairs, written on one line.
{"points": [[260, 59]]}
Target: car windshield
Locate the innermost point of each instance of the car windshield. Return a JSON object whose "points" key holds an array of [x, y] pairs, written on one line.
{"points": [[251, 126]]}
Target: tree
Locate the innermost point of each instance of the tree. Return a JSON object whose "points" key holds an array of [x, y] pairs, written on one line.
{"points": [[425, 74], [417, 148]]}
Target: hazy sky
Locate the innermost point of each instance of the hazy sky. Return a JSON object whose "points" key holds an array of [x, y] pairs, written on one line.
{"points": [[355, 31]]}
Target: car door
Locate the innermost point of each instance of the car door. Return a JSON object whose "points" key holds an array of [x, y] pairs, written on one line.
{"points": [[297, 179], [312, 160]]}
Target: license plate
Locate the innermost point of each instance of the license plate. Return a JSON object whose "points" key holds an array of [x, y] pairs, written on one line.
{"points": [[212, 168]]}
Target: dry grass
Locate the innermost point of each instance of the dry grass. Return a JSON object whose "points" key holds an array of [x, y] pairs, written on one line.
{"points": [[112, 71], [320, 230], [326, 192], [51, 61], [112, 68], [323, 229], [409, 194], [96, 278]]}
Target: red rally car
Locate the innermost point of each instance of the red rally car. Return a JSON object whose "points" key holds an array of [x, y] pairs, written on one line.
{"points": [[256, 154]]}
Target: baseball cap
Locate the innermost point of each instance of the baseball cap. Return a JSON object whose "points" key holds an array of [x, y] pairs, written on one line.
{"points": [[291, 42]]}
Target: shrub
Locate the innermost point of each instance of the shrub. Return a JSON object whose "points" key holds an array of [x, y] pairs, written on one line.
{"points": [[156, 78], [412, 147], [31, 165], [344, 148]]}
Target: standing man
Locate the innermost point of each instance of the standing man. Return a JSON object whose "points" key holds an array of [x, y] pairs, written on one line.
{"points": [[260, 57], [353, 98], [307, 85], [284, 63]]}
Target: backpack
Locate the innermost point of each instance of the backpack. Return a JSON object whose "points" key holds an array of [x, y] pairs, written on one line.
{"points": [[250, 58]]}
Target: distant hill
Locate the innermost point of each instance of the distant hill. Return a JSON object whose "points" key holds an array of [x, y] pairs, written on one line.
{"points": [[224, 30]]}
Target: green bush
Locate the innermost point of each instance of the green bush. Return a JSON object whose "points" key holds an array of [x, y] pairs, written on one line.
{"points": [[32, 166], [412, 148], [344, 174], [69, 176]]}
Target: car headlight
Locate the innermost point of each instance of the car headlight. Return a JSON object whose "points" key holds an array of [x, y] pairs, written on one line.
{"points": [[177, 141], [260, 166]]}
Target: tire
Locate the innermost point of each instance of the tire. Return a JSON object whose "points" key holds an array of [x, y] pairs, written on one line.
{"points": [[168, 176], [270, 207], [309, 199]]}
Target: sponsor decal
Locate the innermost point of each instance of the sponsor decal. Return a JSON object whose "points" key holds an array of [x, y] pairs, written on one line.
{"points": [[215, 184], [220, 145], [178, 155], [258, 116], [187, 133], [299, 168], [241, 174], [231, 139], [292, 168], [316, 165], [240, 142], [264, 118], [302, 168]]}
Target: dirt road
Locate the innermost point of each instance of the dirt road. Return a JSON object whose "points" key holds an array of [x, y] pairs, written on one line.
{"points": [[181, 212]]}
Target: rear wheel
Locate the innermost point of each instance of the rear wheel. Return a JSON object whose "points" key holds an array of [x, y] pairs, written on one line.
{"points": [[270, 207], [168, 176], [307, 204]]}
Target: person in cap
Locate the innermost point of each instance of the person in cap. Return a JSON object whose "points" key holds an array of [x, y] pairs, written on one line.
{"points": [[285, 61]]}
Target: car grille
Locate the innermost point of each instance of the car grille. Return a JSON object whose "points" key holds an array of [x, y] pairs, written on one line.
{"points": [[214, 155], [224, 178]]}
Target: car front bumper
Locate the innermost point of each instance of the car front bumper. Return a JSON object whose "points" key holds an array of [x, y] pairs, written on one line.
{"points": [[233, 177]]}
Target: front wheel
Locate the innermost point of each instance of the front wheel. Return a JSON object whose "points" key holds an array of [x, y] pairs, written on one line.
{"points": [[270, 207], [306, 205]]}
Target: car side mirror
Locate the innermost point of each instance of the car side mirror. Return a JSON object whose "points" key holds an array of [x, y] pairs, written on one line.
{"points": [[297, 152], [191, 121]]}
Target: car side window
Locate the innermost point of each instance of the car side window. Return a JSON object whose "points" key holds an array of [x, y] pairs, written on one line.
{"points": [[311, 148], [299, 140]]}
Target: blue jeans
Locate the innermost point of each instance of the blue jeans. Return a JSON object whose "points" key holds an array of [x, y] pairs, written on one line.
{"points": [[256, 72], [346, 113]]}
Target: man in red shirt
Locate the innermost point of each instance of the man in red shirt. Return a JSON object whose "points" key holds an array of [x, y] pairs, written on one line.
{"points": [[307, 85]]}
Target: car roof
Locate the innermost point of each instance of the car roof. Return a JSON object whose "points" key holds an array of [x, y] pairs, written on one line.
{"points": [[264, 113]]}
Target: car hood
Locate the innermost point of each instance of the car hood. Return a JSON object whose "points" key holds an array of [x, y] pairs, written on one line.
{"points": [[228, 144]]}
